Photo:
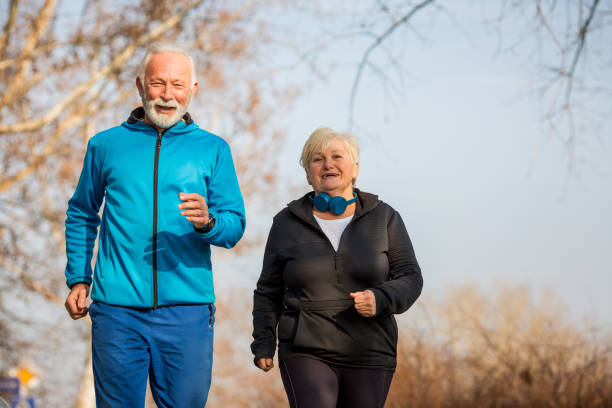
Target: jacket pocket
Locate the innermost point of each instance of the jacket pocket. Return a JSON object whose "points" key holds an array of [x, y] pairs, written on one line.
{"points": [[211, 315], [287, 325], [334, 328]]}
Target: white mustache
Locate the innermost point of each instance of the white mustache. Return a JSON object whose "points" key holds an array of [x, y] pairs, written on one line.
{"points": [[160, 102]]}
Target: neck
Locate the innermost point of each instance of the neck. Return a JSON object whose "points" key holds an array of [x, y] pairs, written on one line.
{"points": [[347, 194], [148, 122], [328, 215]]}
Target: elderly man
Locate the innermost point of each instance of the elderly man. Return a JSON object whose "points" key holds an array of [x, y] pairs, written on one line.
{"points": [[170, 192]]}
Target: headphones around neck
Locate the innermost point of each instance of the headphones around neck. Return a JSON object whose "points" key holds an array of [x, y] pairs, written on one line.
{"points": [[337, 204]]}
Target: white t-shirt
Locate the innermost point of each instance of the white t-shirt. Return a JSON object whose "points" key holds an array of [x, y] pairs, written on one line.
{"points": [[333, 228]]}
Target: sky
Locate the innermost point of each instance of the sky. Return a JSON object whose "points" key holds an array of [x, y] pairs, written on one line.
{"points": [[464, 155]]}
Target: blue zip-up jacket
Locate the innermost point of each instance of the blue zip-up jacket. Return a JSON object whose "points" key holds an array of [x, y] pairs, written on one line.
{"points": [[149, 255]]}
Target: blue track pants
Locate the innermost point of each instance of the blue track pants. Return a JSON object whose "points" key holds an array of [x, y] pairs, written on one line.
{"points": [[172, 346]]}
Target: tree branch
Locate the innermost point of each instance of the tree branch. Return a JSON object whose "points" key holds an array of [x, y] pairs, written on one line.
{"points": [[108, 69], [40, 50], [39, 26], [366, 55], [73, 120], [7, 27], [546, 25], [33, 284], [23, 87], [582, 32]]}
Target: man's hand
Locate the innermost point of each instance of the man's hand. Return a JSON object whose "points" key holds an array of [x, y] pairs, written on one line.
{"points": [[75, 302], [195, 209], [365, 302], [265, 364]]}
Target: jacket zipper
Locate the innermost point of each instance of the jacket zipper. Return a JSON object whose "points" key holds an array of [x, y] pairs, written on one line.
{"points": [[334, 251], [320, 230], [155, 165]]}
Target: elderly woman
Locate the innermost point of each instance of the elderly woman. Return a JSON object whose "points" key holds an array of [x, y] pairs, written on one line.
{"points": [[337, 266]]}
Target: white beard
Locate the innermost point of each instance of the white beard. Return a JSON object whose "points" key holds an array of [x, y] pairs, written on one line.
{"points": [[161, 120]]}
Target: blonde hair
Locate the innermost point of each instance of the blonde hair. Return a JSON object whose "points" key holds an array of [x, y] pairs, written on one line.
{"points": [[321, 139]]}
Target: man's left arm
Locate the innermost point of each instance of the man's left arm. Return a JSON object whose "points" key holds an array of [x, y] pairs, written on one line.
{"points": [[224, 202]]}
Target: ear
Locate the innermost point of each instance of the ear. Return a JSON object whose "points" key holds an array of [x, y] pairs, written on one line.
{"points": [[139, 86], [194, 88], [355, 170], [308, 178]]}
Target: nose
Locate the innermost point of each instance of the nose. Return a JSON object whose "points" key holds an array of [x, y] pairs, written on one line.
{"points": [[166, 94], [328, 162]]}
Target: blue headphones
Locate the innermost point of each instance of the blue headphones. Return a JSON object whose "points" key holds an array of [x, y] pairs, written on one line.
{"points": [[337, 205]]}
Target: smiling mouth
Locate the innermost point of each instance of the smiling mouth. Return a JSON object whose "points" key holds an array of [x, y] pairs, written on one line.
{"points": [[327, 176], [167, 110]]}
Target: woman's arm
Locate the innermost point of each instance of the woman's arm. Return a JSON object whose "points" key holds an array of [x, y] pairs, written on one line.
{"points": [[405, 284], [267, 300]]}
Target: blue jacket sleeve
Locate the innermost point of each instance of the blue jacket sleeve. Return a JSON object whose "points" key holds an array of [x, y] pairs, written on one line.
{"points": [[82, 220], [225, 202]]}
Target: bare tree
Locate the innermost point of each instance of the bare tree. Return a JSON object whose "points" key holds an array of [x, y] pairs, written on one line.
{"points": [[565, 43], [568, 44], [67, 72]]}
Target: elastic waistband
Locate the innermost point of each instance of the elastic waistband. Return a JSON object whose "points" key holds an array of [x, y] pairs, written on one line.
{"points": [[337, 304]]}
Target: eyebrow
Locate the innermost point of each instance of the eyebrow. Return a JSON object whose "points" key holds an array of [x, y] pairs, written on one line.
{"points": [[172, 80]]}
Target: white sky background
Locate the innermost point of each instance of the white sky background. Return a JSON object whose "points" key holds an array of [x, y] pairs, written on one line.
{"points": [[467, 160]]}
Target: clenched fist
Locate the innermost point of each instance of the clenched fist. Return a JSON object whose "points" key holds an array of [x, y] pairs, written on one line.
{"points": [[265, 364], [75, 302], [194, 209], [365, 302]]}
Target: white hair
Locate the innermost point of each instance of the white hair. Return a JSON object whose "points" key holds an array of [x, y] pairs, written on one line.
{"points": [[159, 47]]}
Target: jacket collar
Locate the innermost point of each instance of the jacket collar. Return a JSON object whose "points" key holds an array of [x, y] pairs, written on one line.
{"points": [[302, 207], [136, 122]]}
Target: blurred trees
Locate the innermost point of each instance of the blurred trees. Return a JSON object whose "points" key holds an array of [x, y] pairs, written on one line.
{"points": [[67, 71], [501, 349]]}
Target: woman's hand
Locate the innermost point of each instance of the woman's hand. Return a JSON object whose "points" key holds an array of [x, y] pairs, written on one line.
{"points": [[265, 364], [365, 302]]}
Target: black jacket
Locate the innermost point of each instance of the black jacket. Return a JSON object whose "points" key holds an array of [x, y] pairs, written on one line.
{"points": [[305, 284]]}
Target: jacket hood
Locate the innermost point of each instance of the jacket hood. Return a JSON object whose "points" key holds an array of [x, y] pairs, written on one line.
{"points": [[302, 207], [136, 121]]}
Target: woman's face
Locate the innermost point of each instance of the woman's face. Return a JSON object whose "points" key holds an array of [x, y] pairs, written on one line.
{"points": [[332, 171]]}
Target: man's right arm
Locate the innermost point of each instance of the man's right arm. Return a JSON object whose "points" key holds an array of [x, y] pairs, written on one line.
{"points": [[76, 301], [82, 220]]}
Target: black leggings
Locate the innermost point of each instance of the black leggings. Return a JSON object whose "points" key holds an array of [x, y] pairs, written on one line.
{"points": [[312, 383]]}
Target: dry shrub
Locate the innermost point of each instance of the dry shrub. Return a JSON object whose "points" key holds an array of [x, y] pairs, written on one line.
{"points": [[500, 350]]}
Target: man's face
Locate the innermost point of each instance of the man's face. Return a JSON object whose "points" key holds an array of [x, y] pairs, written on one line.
{"points": [[167, 89]]}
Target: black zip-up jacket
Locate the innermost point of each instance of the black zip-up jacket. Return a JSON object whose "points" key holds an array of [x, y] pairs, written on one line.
{"points": [[305, 284]]}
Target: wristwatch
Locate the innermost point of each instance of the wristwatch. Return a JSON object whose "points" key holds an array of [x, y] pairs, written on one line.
{"points": [[209, 226]]}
